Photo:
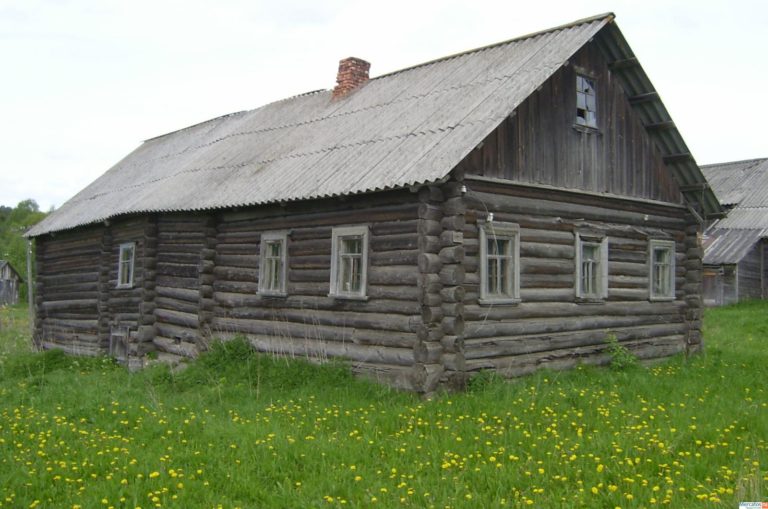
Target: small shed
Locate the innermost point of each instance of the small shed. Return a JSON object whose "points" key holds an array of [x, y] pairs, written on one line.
{"points": [[10, 282], [736, 247]]}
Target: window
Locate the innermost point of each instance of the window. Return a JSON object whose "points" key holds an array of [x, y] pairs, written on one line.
{"points": [[499, 263], [662, 269], [349, 262], [125, 265], [273, 266], [586, 109], [591, 267]]}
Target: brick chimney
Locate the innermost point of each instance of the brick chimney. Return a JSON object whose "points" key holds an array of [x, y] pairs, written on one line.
{"points": [[353, 72]]}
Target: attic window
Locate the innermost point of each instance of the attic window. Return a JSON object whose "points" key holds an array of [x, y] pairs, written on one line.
{"points": [[586, 109]]}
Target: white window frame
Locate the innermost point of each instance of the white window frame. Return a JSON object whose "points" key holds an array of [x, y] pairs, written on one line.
{"points": [[586, 101], [601, 292], [126, 259], [338, 235], [669, 246], [508, 232], [280, 237]]}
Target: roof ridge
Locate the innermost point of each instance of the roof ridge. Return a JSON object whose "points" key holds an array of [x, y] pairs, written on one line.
{"points": [[289, 98], [607, 15]]}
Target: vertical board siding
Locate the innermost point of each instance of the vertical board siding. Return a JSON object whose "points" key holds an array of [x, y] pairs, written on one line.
{"points": [[67, 311], [749, 274], [539, 143], [549, 327]]}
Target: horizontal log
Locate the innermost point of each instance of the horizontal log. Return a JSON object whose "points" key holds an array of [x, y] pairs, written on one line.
{"points": [[568, 309], [323, 350], [311, 303], [80, 350], [172, 317], [565, 324], [70, 304], [229, 327], [183, 294], [429, 263], [340, 318], [520, 345], [176, 332], [520, 365], [165, 303], [169, 345]]}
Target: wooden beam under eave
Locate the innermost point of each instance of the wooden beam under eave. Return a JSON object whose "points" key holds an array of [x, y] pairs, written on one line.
{"points": [[660, 126], [699, 186], [624, 64], [678, 158], [644, 98]]}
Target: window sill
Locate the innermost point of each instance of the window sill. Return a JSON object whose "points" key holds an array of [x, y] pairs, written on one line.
{"points": [[661, 299], [343, 296], [272, 295], [590, 300], [585, 129], [501, 301], [124, 287]]}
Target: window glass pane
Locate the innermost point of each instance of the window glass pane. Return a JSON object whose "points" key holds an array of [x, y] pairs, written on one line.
{"points": [[581, 101], [590, 269], [352, 245]]}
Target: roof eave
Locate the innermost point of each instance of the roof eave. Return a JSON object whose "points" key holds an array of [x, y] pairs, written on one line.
{"points": [[646, 102]]}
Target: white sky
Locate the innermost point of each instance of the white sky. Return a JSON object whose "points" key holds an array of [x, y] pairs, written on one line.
{"points": [[85, 81]]}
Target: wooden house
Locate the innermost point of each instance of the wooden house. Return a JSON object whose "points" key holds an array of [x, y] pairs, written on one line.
{"points": [[736, 247], [10, 283], [506, 208]]}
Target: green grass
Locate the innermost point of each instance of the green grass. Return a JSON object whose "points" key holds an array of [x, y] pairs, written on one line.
{"points": [[238, 429]]}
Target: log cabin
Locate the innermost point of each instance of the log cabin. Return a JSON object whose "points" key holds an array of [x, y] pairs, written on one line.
{"points": [[736, 247], [10, 284], [507, 208]]}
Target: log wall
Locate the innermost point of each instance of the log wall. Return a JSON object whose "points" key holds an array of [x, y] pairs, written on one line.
{"points": [[378, 335], [549, 327], [181, 239], [67, 304]]}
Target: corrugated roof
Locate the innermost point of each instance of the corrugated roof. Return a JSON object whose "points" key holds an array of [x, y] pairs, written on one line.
{"points": [[409, 127], [739, 182], [727, 246]]}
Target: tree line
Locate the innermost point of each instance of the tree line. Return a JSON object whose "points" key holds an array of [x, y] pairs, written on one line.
{"points": [[14, 221]]}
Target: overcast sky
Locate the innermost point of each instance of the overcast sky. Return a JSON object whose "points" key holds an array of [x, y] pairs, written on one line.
{"points": [[85, 81]]}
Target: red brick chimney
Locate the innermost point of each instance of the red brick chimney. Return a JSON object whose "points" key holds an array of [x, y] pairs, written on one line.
{"points": [[353, 72]]}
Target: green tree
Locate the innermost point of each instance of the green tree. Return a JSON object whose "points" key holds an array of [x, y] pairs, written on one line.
{"points": [[13, 223]]}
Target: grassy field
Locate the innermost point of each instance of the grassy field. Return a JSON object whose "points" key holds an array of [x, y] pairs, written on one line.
{"points": [[240, 430]]}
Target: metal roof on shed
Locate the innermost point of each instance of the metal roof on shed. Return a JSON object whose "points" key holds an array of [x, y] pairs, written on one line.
{"points": [[401, 129], [726, 246]]}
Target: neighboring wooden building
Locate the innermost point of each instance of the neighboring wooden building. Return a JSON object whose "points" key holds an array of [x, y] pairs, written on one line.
{"points": [[736, 247], [506, 208], [10, 282]]}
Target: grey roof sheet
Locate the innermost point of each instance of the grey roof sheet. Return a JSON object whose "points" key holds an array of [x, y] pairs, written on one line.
{"points": [[408, 127], [742, 185], [739, 182], [729, 246]]}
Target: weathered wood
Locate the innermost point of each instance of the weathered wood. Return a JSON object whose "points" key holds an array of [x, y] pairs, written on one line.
{"points": [[323, 350], [429, 263], [228, 327], [594, 324]]}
